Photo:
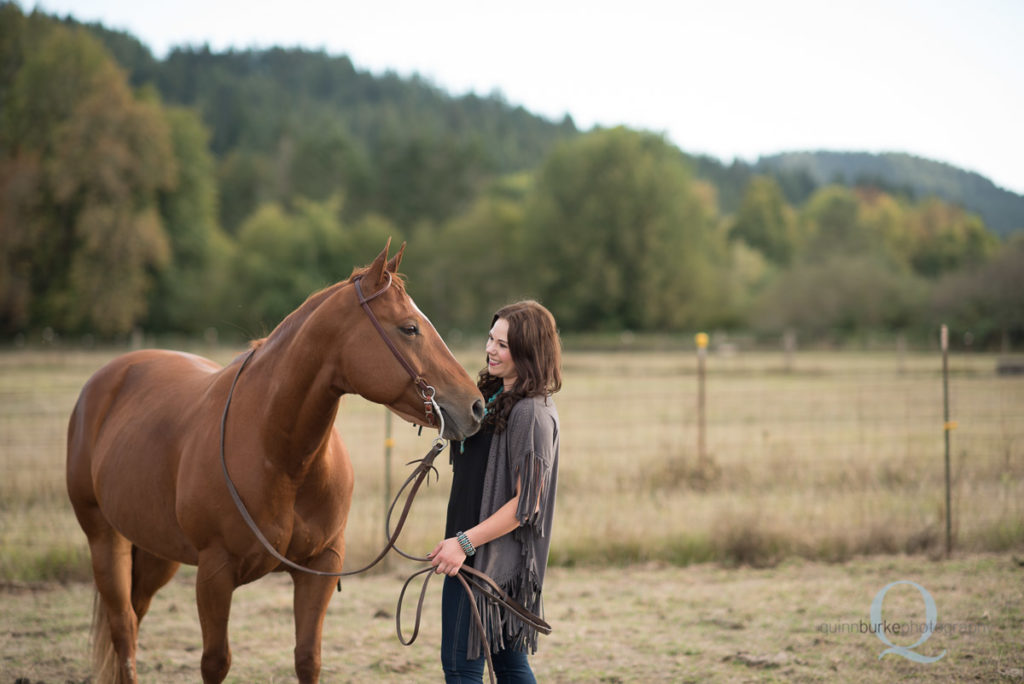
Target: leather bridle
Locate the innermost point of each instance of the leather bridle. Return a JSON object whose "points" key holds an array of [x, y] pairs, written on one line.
{"points": [[467, 575], [426, 391]]}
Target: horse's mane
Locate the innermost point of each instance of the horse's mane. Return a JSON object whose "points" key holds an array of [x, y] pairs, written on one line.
{"points": [[317, 298]]}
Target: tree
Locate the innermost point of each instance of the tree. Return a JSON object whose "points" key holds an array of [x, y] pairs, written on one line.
{"points": [[946, 238], [188, 292], [425, 179], [283, 256], [327, 162], [987, 298], [464, 270], [244, 180], [829, 219], [884, 219], [765, 222], [617, 236], [841, 295], [83, 162]]}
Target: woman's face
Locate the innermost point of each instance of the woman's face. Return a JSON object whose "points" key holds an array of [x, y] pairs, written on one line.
{"points": [[499, 358]]}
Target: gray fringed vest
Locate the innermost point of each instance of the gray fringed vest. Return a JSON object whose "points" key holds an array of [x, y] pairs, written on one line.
{"points": [[527, 451]]}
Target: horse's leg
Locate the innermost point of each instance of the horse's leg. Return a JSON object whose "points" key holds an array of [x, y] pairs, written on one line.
{"points": [[215, 582], [312, 594], [112, 569], [149, 573]]}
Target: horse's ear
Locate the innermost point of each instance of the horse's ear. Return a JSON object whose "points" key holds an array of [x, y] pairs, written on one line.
{"points": [[375, 273], [396, 260]]}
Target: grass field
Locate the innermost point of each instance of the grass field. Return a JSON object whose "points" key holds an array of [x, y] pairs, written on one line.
{"points": [[797, 622], [824, 474], [838, 456]]}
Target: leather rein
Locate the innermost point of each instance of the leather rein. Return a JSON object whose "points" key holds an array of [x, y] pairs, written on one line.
{"points": [[468, 576]]}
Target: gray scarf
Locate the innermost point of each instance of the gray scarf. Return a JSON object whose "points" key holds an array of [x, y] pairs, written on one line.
{"points": [[527, 452]]}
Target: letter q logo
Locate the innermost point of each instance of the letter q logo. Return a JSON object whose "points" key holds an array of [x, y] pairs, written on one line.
{"points": [[931, 614]]}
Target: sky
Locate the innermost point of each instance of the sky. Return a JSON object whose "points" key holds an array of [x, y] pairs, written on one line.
{"points": [[940, 79]]}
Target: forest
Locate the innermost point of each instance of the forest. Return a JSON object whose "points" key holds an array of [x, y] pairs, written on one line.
{"points": [[209, 193]]}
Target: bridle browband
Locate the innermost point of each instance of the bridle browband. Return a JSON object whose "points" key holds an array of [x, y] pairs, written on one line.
{"points": [[467, 575]]}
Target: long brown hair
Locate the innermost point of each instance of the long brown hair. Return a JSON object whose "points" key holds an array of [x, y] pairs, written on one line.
{"points": [[536, 350]]}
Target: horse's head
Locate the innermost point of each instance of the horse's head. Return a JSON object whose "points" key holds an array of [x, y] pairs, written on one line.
{"points": [[402, 360]]}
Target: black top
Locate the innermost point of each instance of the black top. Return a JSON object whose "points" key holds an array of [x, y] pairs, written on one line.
{"points": [[469, 465]]}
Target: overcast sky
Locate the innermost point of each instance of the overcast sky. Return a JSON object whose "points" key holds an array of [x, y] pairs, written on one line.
{"points": [[941, 79]]}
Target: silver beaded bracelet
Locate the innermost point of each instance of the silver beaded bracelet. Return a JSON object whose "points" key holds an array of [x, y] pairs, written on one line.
{"points": [[467, 546]]}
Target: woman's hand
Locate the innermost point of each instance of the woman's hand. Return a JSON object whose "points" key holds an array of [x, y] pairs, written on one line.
{"points": [[447, 557]]}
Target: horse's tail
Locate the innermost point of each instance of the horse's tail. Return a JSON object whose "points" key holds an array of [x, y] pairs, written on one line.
{"points": [[105, 667], [104, 660]]}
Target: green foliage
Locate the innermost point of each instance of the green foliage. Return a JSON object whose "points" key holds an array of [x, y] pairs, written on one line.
{"points": [[398, 148], [906, 175], [883, 218], [946, 238], [618, 237], [283, 256], [425, 178], [766, 222], [829, 222], [271, 173], [188, 290], [244, 179], [987, 299], [466, 269], [85, 162], [326, 161], [839, 296]]}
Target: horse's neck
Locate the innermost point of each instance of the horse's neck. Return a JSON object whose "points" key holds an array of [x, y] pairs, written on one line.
{"points": [[298, 395]]}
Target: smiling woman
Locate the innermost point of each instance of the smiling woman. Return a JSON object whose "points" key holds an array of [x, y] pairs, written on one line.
{"points": [[502, 499]]}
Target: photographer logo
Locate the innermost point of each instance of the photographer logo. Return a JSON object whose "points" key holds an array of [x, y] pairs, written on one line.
{"points": [[882, 629]]}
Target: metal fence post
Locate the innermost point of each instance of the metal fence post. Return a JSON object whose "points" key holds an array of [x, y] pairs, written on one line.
{"points": [[702, 447], [389, 444], [947, 426]]}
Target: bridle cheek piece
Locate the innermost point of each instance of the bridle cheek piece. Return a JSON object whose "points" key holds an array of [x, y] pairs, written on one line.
{"points": [[431, 411]]}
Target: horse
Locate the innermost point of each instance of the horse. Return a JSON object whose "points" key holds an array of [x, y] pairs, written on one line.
{"points": [[146, 444]]}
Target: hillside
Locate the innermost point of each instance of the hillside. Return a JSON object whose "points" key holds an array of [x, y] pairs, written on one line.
{"points": [[293, 87], [249, 99], [399, 147], [1002, 210], [239, 181]]}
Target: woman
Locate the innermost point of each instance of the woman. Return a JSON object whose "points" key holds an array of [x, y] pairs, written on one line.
{"points": [[502, 497]]}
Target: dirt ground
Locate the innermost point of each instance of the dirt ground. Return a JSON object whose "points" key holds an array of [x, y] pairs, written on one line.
{"points": [[799, 621]]}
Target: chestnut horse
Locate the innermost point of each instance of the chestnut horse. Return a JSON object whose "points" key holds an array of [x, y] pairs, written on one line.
{"points": [[144, 473]]}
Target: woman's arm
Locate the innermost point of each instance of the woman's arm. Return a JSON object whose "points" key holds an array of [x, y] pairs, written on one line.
{"points": [[448, 556]]}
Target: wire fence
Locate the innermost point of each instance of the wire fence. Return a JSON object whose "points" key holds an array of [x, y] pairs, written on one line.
{"points": [[824, 455]]}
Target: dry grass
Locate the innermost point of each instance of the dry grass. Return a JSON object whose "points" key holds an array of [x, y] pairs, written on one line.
{"points": [[839, 456], [642, 623], [836, 459]]}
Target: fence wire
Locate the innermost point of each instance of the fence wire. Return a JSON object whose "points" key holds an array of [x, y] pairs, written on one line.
{"points": [[821, 454]]}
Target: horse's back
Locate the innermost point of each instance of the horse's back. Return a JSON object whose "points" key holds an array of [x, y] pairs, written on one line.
{"points": [[134, 393], [125, 436]]}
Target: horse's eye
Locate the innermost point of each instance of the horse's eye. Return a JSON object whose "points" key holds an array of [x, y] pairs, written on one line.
{"points": [[410, 330]]}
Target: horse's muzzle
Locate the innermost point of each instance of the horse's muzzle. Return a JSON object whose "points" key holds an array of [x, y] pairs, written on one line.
{"points": [[459, 427]]}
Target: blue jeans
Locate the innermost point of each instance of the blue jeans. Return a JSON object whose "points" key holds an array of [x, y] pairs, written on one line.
{"points": [[510, 667]]}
